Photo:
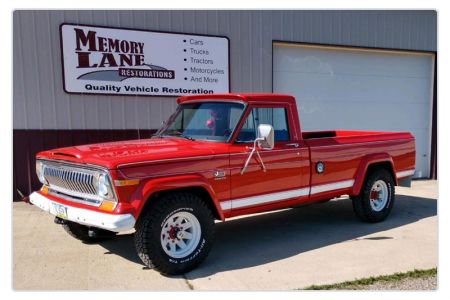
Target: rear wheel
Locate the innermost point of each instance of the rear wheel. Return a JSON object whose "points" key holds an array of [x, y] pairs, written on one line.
{"points": [[376, 198], [176, 234]]}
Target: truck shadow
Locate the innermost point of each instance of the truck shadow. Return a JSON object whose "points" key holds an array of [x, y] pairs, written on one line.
{"points": [[252, 241]]}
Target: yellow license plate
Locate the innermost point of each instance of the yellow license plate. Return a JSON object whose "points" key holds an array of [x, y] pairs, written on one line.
{"points": [[60, 210]]}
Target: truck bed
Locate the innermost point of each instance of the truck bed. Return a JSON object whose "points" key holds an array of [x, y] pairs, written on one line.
{"points": [[308, 135], [342, 151]]}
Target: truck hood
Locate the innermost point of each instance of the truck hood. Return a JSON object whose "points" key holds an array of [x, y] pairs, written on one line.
{"points": [[113, 154]]}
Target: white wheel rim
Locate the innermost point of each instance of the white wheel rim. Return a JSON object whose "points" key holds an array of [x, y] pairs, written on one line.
{"points": [[180, 234], [379, 195]]}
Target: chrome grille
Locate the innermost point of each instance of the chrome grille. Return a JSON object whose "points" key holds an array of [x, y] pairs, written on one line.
{"points": [[72, 180]]}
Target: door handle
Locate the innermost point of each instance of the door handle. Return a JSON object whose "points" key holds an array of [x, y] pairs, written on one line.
{"points": [[293, 145]]}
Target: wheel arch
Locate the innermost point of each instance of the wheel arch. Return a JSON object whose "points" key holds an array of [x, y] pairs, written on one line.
{"points": [[369, 163], [154, 189]]}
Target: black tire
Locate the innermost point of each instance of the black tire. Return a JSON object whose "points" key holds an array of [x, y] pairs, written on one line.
{"points": [[149, 233], [362, 203], [81, 232]]}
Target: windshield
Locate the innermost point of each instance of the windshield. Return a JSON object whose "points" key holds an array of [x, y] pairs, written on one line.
{"points": [[213, 121]]}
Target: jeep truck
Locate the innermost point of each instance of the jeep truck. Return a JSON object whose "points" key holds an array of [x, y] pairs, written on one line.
{"points": [[217, 157]]}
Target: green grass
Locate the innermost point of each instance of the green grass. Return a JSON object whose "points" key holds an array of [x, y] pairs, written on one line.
{"points": [[355, 284]]}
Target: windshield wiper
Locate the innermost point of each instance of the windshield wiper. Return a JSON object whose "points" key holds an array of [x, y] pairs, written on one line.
{"points": [[187, 137], [178, 134]]}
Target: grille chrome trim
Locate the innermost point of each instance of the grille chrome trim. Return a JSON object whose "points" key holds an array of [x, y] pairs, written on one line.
{"points": [[71, 198], [73, 183]]}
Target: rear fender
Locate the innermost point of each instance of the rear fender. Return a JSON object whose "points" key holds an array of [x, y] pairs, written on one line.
{"points": [[364, 165], [152, 186]]}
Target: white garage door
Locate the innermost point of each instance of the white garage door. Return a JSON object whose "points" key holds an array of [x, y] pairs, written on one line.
{"points": [[348, 88]]}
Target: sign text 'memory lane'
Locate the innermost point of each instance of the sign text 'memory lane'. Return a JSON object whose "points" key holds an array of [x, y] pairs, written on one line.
{"points": [[114, 52]]}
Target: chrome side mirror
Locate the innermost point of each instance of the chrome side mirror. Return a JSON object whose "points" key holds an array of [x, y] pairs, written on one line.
{"points": [[266, 136], [265, 140]]}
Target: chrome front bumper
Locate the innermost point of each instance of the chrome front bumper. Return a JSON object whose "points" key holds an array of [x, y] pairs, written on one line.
{"points": [[87, 217]]}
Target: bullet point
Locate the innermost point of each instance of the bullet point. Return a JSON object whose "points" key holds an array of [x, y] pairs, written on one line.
{"points": [[184, 41], [185, 78], [185, 69], [184, 50], [185, 59]]}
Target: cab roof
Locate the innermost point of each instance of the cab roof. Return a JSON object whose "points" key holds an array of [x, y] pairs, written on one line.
{"points": [[240, 97]]}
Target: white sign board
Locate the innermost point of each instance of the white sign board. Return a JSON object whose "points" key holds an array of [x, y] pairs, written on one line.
{"points": [[114, 61]]}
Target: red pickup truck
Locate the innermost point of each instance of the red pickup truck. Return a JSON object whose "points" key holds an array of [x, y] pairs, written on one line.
{"points": [[217, 157]]}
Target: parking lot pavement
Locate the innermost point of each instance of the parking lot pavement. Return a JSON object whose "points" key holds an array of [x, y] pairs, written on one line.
{"points": [[288, 249]]}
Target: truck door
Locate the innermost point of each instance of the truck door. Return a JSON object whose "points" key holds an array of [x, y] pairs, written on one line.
{"points": [[286, 178]]}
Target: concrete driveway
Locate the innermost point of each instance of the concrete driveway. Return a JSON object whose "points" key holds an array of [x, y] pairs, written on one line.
{"points": [[289, 249]]}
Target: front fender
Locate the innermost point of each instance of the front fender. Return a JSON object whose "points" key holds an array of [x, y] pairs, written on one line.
{"points": [[365, 163], [153, 185]]}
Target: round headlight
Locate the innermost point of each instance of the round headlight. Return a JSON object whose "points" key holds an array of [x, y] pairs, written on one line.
{"points": [[102, 185], [40, 172]]}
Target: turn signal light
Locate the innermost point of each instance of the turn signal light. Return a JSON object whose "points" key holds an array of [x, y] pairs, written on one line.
{"points": [[107, 205], [44, 189], [126, 182]]}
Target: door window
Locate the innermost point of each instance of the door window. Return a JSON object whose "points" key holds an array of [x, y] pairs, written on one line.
{"points": [[275, 116]]}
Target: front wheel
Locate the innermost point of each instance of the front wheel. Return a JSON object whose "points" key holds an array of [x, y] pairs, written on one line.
{"points": [[175, 234], [376, 198]]}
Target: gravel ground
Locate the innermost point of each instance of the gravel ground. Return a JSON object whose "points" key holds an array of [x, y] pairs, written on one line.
{"points": [[425, 283]]}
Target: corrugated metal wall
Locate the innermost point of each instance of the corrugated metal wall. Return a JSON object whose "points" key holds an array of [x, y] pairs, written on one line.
{"points": [[41, 103], [45, 117]]}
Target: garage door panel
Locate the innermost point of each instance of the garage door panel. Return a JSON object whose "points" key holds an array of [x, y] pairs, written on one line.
{"points": [[355, 88], [361, 116], [315, 60], [422, 151], [340, 88]]}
